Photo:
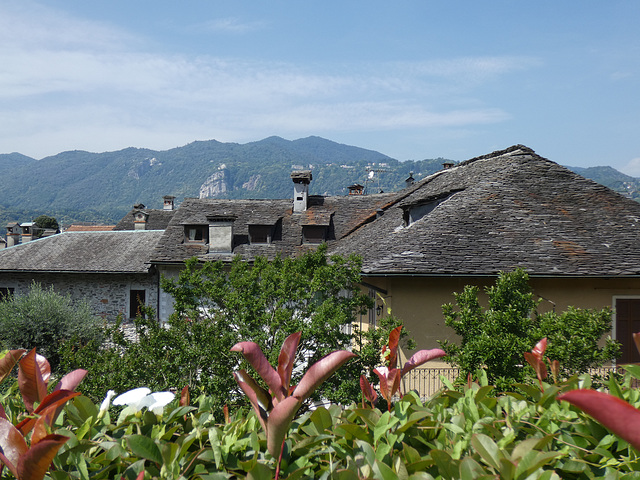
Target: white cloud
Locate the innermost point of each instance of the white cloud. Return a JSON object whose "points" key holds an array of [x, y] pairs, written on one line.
{"points": [[632, 168], [70, 83], [227, 25]]}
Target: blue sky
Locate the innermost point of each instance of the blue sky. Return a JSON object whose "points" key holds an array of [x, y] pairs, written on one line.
{"points": [[414, 79]]}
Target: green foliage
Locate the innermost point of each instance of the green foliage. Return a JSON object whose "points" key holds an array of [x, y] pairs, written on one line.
{"points": [[45, 221], [495, 338], [103, 186], [473, 432], [43, 319], [217, 308], [468, 434]]}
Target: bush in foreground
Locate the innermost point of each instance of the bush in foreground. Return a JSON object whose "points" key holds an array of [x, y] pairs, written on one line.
{"points": [[44, 319]]}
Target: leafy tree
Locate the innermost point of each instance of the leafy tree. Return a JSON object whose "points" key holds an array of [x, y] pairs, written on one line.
{"points": [[218, 305], [44, 221], [43, 319], [496, 338]]}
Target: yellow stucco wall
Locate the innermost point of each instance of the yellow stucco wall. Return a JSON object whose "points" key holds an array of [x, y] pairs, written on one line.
{"points": [[418, 301]]}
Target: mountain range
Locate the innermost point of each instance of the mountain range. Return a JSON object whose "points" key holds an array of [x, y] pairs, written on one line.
{"points": [[79, 186]]}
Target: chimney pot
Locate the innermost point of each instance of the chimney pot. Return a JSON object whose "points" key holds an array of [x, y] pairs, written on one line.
{"points": [[301, 180], [168, 202]]}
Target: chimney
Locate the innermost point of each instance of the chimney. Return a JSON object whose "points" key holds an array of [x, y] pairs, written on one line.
{"points": [[140, 220], [13, 234], [301, 180], [168, 202], [410, 181], [356, 189], [221, 234], [447, 165], [27, 233]]}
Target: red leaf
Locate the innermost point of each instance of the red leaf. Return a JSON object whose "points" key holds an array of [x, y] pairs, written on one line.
{"points": [[420, 357], [540, 348], [394, 338], [320, 371], [613, 412], [389, 382], [71, 380], [12, 443], [185, 397], [286, 358], [279, 422], [367, 390], [45, 368], [8, 362], [258, 396], [34, 464], [40, 430], [256, 358], [636, 340], [55, 399], [32, 386], [11, 466]]}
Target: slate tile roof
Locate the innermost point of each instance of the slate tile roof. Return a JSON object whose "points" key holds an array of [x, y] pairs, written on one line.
{"points": [[78, 252], [89, 228], [158, 219], [338, 214], [504, 210]]}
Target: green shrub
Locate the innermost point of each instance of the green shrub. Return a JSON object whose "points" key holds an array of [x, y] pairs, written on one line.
{"points": [[495, 338], [217, 308], [44, 319]]}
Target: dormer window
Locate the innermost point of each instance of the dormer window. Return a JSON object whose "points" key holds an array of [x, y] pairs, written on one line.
{"points": [[196, 233], [414, 212], [260, 234], [314, 233]]}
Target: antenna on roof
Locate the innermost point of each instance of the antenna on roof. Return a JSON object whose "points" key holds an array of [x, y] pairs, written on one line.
{"points": [[373, 179]]}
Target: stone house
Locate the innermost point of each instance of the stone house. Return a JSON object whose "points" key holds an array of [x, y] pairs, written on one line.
{"points": [[108, 266], [110, 270], [462, 225]]}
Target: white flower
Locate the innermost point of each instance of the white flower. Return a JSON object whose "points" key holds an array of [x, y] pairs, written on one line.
{"points": [[139, 398], [132, 398], [104, 406], [160, 400]]}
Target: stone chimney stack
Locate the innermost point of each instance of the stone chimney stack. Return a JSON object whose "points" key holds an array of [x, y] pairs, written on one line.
{"points": [[221, 234], [447, 165], [140, 217], [27, 231], [13, 234], [168, 202], [301, 180]]}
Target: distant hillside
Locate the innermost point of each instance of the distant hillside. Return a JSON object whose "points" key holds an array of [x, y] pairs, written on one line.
{"points": [[84, 186], [612, 178], [101, 187]]}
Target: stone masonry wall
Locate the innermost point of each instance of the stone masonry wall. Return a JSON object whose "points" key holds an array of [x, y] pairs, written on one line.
{"points": [[107, 294]]}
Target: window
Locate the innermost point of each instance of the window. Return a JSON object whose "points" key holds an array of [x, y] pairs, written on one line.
{"points": [[627, 322], [260, 233], [6, 292], [196, 233], [137, 299], [314, 233]]}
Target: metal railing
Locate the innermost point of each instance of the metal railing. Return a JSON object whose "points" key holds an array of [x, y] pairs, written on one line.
{"points": [[426, 381]]}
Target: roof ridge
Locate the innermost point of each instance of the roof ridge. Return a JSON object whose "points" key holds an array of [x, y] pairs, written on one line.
{"points": [[499, 153]]}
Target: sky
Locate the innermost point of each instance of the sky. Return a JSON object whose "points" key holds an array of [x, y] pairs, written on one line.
{"points": [[412, 79]]}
